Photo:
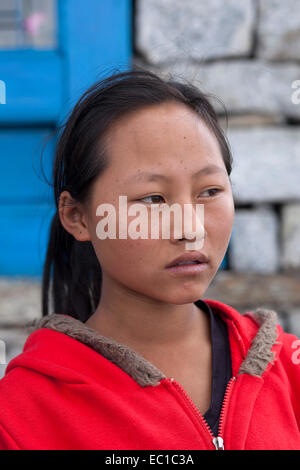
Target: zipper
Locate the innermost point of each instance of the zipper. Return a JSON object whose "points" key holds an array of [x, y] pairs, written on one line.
{"points": [[218, 440]]}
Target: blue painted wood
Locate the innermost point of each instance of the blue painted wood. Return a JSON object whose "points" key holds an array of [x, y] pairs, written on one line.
{"points": [[34, 86], [224, 264], [41, 87], [23, 238], [21, 178], [95, 39], [2, 92]]}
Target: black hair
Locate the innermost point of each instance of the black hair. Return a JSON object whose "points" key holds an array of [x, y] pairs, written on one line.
{"points": [[72, 275]]}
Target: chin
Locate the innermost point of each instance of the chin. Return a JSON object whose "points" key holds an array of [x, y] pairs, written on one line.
{"points": [[186, 298]]}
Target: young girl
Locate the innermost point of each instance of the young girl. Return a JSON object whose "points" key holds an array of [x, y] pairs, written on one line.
{"points": [[131, 355]]}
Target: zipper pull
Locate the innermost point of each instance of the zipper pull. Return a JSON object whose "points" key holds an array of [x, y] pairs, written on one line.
{"points": [[218, 443]]}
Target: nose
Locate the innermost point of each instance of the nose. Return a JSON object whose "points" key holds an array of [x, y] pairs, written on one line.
{"points": [[191, 226]]}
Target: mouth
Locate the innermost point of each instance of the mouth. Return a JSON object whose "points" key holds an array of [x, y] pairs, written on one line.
{"points": [[194, 267], [188, 263], [184, 263], [190, 258]]}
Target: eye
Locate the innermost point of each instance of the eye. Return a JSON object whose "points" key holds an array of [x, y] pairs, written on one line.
{"points": [[149, 197], [217, 190], [213, 192]]}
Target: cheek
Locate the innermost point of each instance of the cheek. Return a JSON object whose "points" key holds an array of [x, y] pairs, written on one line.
{"points": [[218, 220], [125, 259], [125, 256]]}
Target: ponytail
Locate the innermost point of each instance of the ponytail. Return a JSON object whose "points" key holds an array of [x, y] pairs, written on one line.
{"points": [[76, 274]]}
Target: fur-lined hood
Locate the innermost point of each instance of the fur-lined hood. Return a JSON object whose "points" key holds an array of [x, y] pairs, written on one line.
{"points": [[259, 355]]}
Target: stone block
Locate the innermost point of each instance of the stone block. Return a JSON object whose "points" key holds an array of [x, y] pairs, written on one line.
{"points": [[195, 29], [266, 164], [20, 302], [243, 86], [278, 30], [11, 345], [294, 320], [254, 245], [247, 291], [290, 236]]}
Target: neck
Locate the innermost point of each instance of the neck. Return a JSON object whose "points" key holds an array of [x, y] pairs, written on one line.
{"points": [[147, 324]]}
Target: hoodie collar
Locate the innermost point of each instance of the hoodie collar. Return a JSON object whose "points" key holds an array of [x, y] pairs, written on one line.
{"points": [[257, 347], [259, 339]]}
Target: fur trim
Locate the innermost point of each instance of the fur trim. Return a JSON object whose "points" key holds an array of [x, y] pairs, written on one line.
{"points": [[142, 371], [260, 354]]}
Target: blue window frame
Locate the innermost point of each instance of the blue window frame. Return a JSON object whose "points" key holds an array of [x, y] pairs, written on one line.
{"points": [[39, 86]]}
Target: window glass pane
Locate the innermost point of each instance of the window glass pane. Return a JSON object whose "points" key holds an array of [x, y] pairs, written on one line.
{"points": [[28, 24]]}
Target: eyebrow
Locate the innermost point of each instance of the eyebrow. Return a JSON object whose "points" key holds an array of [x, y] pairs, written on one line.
{"points": [[147, 176]]}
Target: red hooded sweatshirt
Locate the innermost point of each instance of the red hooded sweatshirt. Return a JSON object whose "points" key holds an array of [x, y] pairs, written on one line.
{"points": [[72, 388]]}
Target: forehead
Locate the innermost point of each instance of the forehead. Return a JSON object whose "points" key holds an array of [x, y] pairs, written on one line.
{"points": [[161, 135]]}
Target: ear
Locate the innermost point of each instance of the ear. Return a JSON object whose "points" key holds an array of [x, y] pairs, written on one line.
{"points": [[73, 217]]}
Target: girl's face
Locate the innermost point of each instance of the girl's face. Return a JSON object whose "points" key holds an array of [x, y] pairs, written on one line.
{"points": [[169, 139]]}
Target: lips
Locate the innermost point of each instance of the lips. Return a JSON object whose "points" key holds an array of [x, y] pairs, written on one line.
{"points": [[189, 257]]}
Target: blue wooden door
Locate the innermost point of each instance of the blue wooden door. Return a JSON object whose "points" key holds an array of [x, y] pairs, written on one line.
{"points": [[41, 77]]}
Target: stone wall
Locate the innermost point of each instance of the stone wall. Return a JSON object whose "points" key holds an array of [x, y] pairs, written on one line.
{"points": [[247, 53], [20, 303]]}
